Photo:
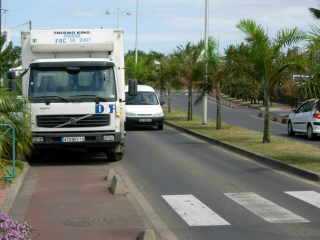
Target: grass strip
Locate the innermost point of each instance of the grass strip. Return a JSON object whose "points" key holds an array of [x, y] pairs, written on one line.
{"points": [[305, 156]]}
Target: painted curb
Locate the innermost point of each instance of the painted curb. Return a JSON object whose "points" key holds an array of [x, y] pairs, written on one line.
{"points": [[254, 156], [149, 234], [14, 189]]}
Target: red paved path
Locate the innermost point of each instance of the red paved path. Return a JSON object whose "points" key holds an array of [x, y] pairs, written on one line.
{"points": [[71, 202]]}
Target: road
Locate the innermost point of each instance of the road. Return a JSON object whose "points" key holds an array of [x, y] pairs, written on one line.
{"points": [[203, 192], [241, 116], [200, 191]]}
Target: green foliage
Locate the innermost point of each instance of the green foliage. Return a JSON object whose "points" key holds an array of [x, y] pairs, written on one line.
{"points": [[13, 111], [265, 60]]}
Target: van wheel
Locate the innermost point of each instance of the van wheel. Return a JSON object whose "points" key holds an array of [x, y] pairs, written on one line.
{"points": [[310, 134], [290, 130], [160, 126]]}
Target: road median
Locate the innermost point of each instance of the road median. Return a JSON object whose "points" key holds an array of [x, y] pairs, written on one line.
{"points": [[282, 154]]}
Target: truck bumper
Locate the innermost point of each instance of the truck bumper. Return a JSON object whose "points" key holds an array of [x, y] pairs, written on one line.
{"points": [[77, 139]]}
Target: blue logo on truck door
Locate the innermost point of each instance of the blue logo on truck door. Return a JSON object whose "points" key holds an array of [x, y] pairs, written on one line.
{"points": [[112, 108], [99, 108]]}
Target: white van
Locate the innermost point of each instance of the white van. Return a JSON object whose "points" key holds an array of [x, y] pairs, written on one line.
{"points": [[144, 109]]}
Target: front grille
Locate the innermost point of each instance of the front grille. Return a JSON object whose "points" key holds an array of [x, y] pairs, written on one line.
{"points": [[70, 121], [144, 115]]}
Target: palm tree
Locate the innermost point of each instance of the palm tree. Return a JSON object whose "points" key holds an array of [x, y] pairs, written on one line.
{"points": [[190, 70], [217, 71], [266, 61], [315, 12]]}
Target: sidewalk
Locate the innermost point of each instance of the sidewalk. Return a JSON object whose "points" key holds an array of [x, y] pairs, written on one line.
{"points": [[72, 202]]}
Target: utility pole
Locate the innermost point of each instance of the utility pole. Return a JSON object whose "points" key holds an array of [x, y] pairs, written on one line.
{"points": [[30, 25], [0, 17], [206, 40], [137, 38]]}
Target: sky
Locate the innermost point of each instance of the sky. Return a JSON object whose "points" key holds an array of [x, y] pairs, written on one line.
{"points": [[163, 24]]}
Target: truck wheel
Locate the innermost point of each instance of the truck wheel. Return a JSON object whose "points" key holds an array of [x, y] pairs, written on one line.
{"points": [[114, 156]]}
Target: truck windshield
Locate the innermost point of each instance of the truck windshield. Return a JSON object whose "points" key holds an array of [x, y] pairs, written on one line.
{"points": [[62, 85], [142, 98]]}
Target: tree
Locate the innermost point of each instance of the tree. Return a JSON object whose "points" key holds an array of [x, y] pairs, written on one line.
{"points": [[169, 76], [12, 111], [315, 12], [190, 70], [9, 56], [265, 59], [216, 71], [239, 81]]}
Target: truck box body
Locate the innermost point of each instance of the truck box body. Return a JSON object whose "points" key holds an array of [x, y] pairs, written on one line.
{"points": [[75, 84]]}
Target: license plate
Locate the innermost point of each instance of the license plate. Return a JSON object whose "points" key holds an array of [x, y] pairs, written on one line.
{"points": [[145, 120], [73, 139]]}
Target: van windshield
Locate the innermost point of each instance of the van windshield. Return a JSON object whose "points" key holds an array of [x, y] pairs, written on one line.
{"points": [[59, 84], [142, 98]]}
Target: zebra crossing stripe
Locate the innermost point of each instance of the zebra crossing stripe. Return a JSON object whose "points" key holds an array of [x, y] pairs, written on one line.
{"points": [[310, 197], [193, 211], [265, 209]]}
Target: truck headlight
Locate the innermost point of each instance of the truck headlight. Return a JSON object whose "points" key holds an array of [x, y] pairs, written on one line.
{"points": [[129, 114], [37, 139]]}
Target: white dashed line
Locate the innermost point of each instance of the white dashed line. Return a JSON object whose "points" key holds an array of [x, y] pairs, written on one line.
{"points": [[310, 197], [265, 209], [193, 211]]}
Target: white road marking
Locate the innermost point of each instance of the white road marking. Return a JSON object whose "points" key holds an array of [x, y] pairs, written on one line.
{"points": [[265, 209], [310, 197], [193, 211]]}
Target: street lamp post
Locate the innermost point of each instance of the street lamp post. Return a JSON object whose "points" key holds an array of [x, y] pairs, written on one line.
{"points": [[119, 13], [137, 39], [206, 40]]}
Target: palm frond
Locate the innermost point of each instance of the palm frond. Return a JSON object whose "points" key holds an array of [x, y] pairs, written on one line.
{"points": [[315, 12], [287, 38]]}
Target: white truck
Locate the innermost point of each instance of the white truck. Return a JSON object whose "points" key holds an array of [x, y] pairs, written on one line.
{"points": [[75, 82]]}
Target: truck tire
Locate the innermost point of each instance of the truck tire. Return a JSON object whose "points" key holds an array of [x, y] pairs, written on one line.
{"points": [[114, 157]]}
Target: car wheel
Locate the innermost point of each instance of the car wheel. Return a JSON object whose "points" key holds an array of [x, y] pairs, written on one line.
{"points": [[160, 126], [310, 134], [290, 129]]}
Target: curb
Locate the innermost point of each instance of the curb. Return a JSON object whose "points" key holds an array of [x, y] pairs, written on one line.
{"points": [[275, 118], [155, 227], [254, 156], [14, 189]]}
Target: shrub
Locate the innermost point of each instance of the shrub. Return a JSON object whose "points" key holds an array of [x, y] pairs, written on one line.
{"points": [[12, 230]]}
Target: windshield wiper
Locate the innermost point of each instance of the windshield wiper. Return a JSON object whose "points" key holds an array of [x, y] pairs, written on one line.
{"points": [[91, 96], [58, 97]]}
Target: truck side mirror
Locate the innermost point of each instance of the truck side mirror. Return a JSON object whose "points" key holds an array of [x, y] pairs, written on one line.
{"points": [[133, 88], [11, 75], [12, 85]]}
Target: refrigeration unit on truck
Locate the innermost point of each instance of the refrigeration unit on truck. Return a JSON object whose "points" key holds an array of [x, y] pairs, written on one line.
{"points": [[74, 80]]}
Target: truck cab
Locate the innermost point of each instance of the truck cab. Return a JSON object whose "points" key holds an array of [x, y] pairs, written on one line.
{"points": [[74, 81]]}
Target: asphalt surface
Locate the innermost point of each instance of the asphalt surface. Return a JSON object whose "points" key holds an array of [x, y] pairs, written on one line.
{"points": [[240, 116], [171, 165]]}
